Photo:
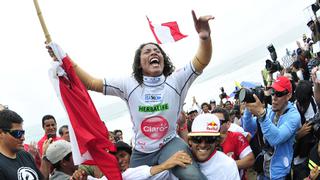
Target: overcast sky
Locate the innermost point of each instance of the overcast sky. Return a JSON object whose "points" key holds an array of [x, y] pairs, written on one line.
{"points": [[101, 36]]}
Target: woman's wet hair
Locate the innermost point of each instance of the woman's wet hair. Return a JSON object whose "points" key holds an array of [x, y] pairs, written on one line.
{"points": [[136, 66]]}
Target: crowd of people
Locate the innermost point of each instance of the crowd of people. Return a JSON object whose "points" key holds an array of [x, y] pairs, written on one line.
{"points": [[265, 132]]}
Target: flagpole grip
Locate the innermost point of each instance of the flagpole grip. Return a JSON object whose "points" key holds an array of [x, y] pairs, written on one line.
{"points": [[43, 24]]}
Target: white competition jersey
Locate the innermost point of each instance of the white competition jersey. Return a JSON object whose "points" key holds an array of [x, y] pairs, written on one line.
{"points": [[154, 105], [220, 166]]}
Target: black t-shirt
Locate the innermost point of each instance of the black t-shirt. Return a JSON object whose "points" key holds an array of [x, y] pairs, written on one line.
{"points": [[22, 167]]}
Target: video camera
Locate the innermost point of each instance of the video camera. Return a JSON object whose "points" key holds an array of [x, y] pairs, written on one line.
{"points": [[246, 95], [223, 94], [274, 65]]}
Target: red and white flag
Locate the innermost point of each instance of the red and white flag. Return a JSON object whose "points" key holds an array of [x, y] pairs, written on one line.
{"points": [[88, 135], [166, 32]]}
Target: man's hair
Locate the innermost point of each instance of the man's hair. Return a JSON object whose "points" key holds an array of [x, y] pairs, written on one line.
{"points": [[117, 130], [303, 93], [222, 111], [7, 117], [203, 104], [136, 66], [46, 117], [61, 129]]}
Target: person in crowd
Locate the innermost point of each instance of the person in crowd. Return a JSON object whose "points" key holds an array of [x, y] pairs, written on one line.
{"points": [[154, 120], [205, 108], [64, 133], [279, 124], [234, 144], [314, 27], [203, 141], [143, 172], [316, 83], [193, 113], [111, 137], [228, 105], [311, 167], [15, 163], [213, 104], [118, 135], [49, 126], [60, 156], [305, 139]]}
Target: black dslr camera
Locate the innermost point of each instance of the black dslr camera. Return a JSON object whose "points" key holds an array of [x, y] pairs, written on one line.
{"points": [[315, 123], [246, 95], [274, 65], [223, 94]]}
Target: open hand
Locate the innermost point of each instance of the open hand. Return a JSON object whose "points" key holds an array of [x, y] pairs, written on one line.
{"points": [[202, 25]]}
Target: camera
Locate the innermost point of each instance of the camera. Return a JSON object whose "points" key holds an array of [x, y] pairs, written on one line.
{"points": [[274, 65], [315, 123], [223, 94], [315, 7], [246, 95]]}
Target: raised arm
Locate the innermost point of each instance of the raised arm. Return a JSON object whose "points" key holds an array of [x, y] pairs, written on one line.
{"points": [[90, 82], [204, 52]]}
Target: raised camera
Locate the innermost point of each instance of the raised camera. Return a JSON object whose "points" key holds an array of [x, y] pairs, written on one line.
{"points": [[246, 95]]}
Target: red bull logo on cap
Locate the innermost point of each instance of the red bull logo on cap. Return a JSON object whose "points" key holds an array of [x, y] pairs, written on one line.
{"points": [[212, 126]]}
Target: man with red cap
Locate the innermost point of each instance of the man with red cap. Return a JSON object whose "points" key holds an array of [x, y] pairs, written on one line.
{"points": [[278, 124]]}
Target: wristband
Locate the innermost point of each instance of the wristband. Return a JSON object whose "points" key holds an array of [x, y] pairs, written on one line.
{"points": [[262, 115]]}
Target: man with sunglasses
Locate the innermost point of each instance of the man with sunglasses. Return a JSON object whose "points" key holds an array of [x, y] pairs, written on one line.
{"points": [[279, 124], [203, 141], [234, 144], [15, 163]]}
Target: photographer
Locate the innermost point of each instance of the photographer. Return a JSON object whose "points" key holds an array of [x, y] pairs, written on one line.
{"points": [[278, 124], [306, 138]]}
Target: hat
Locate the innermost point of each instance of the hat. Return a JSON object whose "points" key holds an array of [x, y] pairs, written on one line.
{"points": [[205, 125], [282, 83], [310, 22], [58, 150], [122, 146], [212, 101]]}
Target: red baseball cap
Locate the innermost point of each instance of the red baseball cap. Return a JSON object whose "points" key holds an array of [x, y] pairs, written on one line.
{"points": [[282, 83]]}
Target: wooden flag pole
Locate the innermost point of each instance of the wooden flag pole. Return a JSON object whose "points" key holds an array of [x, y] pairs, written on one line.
{"points": [[43, 24]]}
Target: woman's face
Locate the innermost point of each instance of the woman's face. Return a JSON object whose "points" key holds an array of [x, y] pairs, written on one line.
{"points": [[151, 60]]}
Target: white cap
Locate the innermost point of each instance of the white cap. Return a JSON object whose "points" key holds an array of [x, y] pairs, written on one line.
{"points": [[205, 125], [58, 150]]}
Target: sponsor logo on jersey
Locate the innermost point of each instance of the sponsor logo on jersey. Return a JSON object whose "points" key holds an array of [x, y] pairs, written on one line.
{"points": [[155, 127], [26, 173], [155, 108], [152, 98]]}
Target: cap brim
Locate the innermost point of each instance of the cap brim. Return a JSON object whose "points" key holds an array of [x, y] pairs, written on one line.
{"points": [[278, 88], [203, 134]]}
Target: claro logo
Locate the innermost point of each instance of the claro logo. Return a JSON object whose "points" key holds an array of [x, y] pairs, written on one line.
{"points": [[155, 127]]}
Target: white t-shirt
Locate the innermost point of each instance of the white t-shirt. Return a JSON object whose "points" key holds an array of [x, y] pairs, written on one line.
{"points": [[221, 167], [141, 173], [236, 128], [154, 106]]}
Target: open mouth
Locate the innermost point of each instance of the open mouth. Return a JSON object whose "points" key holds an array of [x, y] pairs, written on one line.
{"points": [[155, 61]]}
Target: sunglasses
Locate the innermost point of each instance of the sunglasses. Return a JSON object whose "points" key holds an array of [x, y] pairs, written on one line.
{"points": [[279, 93], [206, 139], [15, 133]]}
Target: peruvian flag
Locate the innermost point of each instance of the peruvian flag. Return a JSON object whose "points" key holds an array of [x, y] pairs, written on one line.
{"points": [[88, 134], [166, 32]]}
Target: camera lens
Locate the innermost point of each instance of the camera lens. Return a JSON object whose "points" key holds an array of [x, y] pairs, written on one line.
{"points": [[246, 95]]}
